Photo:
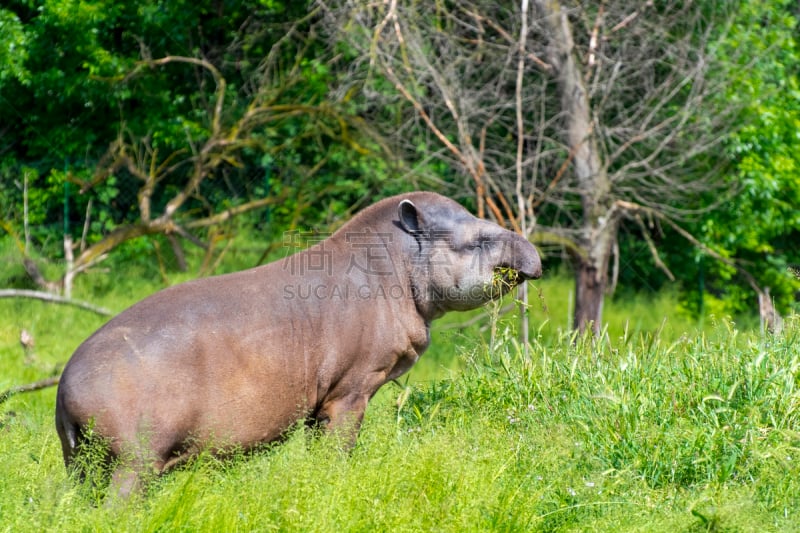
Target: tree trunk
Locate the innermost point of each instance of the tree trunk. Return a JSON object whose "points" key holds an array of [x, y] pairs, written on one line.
{"points": [[591, 278], [589, 291], [598, 228]]}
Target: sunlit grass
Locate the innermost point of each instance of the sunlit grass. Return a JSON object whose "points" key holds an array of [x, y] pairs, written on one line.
{"points": [[635, 434], [656, 426]]}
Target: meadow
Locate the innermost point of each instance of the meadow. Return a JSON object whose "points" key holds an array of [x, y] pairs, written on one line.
{"points": [[660, 425]]}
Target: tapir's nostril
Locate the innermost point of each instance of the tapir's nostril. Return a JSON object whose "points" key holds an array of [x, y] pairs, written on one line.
{"points": [[530, 274], [530, 266]]}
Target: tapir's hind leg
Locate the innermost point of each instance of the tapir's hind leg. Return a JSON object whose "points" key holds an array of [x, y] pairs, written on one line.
{"points": [[137, 463], [127, 478], [69, 433], [125, 481], [132, 473]]}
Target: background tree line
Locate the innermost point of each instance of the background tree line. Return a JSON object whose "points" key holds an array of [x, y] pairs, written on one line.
{"points": [[635, 142]]}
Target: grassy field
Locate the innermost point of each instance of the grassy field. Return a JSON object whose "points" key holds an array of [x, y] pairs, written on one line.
{"points": [[658, 427]]}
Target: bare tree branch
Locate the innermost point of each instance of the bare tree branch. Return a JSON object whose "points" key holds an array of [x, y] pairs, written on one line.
{"points": [[30, 387], [54, 298], [604, 103]]}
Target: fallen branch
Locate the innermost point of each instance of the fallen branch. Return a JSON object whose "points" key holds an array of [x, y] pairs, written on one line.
{"points": [[38, 385], [53, 298]]}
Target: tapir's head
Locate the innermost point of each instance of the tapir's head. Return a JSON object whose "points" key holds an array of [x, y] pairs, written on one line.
{"points": [[458, 261]]}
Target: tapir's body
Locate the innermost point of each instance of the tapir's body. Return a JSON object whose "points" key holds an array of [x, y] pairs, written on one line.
{"points": [[238, 359]]}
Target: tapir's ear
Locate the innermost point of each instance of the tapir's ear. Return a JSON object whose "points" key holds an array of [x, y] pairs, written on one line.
{"points": [[410, 218]]}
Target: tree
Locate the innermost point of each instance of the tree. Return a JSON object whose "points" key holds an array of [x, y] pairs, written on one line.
{"points": [[130, 130], [615, 103], [765, 152]]}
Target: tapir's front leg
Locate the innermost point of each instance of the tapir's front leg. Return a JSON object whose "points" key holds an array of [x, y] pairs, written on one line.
{"points": [[342, 417], [341, 414]]}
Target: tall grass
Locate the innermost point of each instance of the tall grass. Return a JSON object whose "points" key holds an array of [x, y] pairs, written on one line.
{"points": [[550, 307], [631, 435], [648, 429]]}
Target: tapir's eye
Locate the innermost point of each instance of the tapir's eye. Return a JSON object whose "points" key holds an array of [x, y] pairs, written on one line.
{"points": [[480, 243]]}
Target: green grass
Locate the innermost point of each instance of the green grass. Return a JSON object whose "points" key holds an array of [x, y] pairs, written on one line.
{"points": [[658, 426], [550, 304]]}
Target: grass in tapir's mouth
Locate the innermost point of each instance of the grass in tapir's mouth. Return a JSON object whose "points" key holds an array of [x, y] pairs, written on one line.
{"points": [[504, 279]]}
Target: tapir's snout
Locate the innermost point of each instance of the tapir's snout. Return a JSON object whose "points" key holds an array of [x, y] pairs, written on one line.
{"points": [[525, 259]]}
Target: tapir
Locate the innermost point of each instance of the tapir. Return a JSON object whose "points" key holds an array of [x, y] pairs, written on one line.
{"points": [[236, 360]]}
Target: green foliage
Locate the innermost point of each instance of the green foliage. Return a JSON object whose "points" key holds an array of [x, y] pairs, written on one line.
{"points": [[71, 84], [760, 224], [755, 220], [91, 468], [76, 87], [717, 410], [13, 48]]}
